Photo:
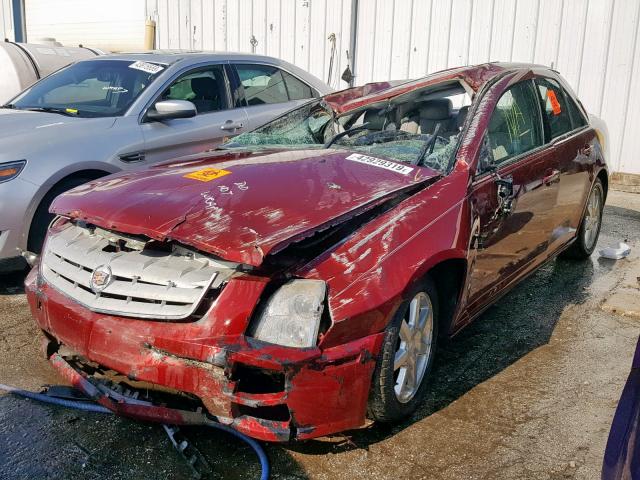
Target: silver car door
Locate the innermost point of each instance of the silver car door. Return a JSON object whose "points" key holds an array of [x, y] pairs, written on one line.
{"points": [[207, 87]]}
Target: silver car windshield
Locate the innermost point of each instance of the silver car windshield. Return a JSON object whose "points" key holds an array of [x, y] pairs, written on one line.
{"points": [[97, 88]]}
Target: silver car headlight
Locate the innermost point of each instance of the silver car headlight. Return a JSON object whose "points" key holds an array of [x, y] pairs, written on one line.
{"points": [[10, 170], [291, 317]]}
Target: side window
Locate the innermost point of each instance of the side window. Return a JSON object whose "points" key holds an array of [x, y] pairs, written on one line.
{"points": [[577, 117], [262, 84], [554, 108], [206, 88], [297, 89], [514, 127]]}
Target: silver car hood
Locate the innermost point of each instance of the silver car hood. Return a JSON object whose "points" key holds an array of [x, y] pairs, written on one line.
{"points": [[23, 133]]}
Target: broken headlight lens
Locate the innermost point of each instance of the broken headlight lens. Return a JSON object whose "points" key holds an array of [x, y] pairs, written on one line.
{"points": [[9, 171], [291, 316]]}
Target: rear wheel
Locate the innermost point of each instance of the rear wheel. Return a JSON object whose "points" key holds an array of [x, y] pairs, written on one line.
{"points": [[402, 372], [589, 230]]}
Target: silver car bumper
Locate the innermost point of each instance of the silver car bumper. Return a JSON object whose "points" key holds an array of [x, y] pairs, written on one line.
{"points": [[15, 216]]}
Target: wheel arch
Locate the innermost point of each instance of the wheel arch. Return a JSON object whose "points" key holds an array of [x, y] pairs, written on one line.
{"points": [[86, 174], [603, 175]]}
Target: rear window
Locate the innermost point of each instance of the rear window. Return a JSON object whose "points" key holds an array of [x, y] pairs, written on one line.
{"points": [[577, 117], [555, 110], [262, 84], [298, 90]]}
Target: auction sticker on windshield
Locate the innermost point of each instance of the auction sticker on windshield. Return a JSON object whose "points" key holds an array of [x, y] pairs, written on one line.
{"points": [[207, 174], [380, 163], [147, 67]]}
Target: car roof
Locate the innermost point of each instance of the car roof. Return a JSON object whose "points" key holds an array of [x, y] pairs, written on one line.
{"points": [[169, 57], [475, 76]]}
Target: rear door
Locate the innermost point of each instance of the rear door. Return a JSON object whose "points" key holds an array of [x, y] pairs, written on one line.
{"points": [[266, 92], [512, 201], [571, 143], [208, 88]]}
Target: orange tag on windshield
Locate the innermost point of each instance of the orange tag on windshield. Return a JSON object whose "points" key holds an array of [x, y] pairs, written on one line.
{"points": [[555, 104], [207, 174]]}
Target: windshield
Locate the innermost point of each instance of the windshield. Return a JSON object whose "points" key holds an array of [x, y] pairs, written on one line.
{"points": [[96, 88], [421, 128]]}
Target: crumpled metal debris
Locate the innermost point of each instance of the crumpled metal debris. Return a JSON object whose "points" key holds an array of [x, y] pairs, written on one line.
{"points": [[618, 252]]}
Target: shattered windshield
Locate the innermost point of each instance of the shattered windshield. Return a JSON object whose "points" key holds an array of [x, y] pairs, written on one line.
{"points": [[421, 129]]}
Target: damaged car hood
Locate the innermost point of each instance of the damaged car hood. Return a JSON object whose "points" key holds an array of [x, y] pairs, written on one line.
{"points": [[243, 205]]}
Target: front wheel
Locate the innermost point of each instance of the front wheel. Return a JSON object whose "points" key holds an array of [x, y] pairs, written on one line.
{"points": [[587, 238], [406, 358]]}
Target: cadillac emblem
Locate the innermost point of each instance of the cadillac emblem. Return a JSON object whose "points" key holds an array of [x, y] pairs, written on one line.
{"points": [[101, 278]]}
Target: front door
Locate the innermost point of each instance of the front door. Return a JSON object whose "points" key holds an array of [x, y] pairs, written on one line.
{"points": [[208, 89], [513, 197]]}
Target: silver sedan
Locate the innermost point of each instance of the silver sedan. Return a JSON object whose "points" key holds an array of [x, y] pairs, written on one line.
{"points": [[121, 112]]}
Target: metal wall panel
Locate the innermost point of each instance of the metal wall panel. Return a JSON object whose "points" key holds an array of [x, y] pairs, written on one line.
{"points": [[593, 43], [114, 25], [313, 34], [6, 20]]}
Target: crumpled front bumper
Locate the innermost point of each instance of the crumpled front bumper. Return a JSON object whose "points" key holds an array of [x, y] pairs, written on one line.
{"points": [[266, 391]]}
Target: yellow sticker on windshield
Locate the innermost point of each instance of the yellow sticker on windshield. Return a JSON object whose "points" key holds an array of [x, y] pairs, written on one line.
{"points": [[207, 174], [71, 110]]}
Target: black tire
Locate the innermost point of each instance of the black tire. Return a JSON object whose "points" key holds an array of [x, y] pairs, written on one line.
{"points": [[583, 246], [42, 218], [384, 405]]}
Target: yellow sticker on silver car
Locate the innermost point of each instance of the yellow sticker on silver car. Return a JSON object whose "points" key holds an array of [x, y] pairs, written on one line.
{"points": [[207, 174], [380, 163]]}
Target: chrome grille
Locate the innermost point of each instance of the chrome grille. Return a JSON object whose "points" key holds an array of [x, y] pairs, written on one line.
{"points": [[146, 283]]}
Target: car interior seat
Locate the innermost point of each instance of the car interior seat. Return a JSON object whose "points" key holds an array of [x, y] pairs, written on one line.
{"points": [[206, 94], [378, 120], [461, 117], [434, 112]]}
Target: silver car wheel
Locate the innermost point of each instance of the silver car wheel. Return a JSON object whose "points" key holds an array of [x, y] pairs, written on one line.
{"points": [[592, 218], [414, 350]]}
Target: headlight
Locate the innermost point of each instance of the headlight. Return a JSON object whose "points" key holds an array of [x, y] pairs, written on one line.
{"points": [[291, 317], [9, 171]]}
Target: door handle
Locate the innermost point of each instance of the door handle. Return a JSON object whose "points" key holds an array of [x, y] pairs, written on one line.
{"points": [[551, 178], [231, 125], [587, 150]]}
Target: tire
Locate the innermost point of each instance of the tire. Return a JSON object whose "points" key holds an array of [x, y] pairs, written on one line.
{"points": [[42, 218], [589, 231], [389, 403]]}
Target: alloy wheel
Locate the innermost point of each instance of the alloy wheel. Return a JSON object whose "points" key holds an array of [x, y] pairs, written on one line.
{"points": [[414, 349]]}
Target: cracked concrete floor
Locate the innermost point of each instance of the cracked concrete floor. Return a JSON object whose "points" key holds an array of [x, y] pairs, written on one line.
{"points": [[527, 392]]}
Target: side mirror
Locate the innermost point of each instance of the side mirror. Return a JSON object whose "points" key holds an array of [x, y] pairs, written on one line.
{"points": [[170, 109]]}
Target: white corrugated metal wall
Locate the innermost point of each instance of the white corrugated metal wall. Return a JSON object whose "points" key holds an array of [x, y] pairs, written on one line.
{"points": [[295, 30], [6, 20], [107, 24], [594, 43]]}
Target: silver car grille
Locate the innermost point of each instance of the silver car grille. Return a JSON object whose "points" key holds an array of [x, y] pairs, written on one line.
{"points": [[145, 283]]}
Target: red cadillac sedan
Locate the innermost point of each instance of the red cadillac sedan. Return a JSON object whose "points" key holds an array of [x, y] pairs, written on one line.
{"points": [[296, 280]]}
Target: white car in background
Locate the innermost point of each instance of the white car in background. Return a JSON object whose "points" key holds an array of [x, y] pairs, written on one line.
{"points": [[119, 112]]}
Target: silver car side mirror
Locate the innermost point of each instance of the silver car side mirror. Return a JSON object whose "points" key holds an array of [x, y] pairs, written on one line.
{"points": [[170, 109]]}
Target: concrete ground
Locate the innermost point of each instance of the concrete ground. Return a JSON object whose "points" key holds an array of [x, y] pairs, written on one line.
{"points": [[527, 392]]}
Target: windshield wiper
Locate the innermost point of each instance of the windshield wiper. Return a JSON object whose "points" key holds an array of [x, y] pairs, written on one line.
{"points": [[9, 106], [337, 137], [60, 111], [428, 146]]}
